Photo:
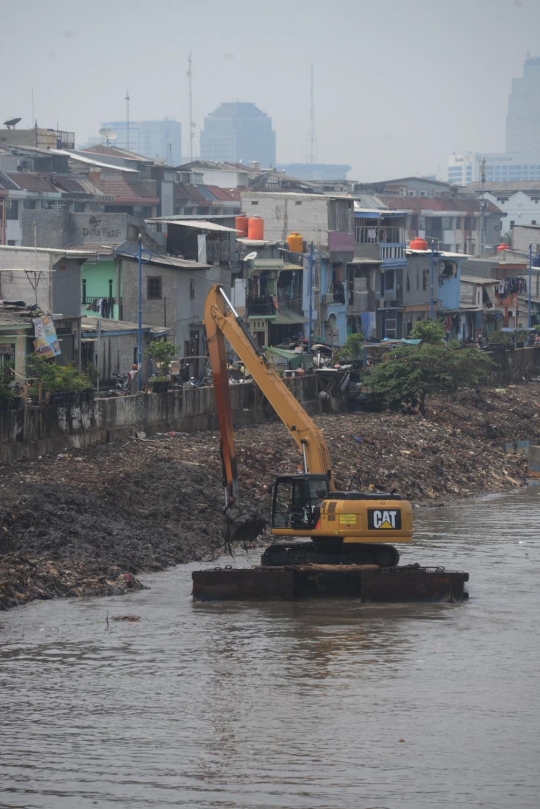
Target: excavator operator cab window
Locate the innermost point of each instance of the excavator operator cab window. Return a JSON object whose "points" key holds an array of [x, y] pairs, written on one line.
{"points": [[297, 502]]}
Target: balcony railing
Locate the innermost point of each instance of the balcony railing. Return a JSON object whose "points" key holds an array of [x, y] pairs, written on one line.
{"points": [[95, 305], [392, 250], [378, 234], [260, 305]]}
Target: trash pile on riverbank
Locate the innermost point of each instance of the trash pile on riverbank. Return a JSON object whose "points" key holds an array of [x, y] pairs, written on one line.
{"points": [[24, 578], [147, 504]]}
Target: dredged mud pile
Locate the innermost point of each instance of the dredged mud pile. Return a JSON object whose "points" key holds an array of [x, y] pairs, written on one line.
{"points": [[86, 522]]}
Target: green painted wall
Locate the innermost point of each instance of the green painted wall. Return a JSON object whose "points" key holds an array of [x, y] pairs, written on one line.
{"points": [[95, 279]]}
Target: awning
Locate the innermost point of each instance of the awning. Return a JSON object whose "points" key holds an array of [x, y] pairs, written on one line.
{"points": [[288, 317], [197, 225]]}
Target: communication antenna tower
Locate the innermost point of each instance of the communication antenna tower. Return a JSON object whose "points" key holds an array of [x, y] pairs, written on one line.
{"points": [[312, 134], [191, 122], [126, 99]]}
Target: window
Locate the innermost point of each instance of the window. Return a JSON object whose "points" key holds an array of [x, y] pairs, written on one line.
{"points": [[29, 204], [254, 201], [533, 221], [298, 202], [154, 288], [78, 207], [425, 275], [389, 280], [12, 211], [192, 289], [512, 223], [447, 223]]}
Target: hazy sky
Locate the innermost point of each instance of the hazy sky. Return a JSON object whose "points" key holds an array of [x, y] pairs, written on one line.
{"points": [[399, 84]]}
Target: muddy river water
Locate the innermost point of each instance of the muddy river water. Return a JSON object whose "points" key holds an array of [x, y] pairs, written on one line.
{"points": [[306, 705]]}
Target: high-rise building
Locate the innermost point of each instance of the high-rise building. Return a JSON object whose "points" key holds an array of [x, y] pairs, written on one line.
{"points": [[160, 140], [523, 119], [239, 132]]}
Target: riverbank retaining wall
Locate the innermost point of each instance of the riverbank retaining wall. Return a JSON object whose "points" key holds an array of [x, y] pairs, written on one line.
{"points": [[34, 431]]}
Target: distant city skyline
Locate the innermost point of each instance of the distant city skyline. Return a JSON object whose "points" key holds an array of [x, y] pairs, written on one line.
{"points": [[423, 106], [239, 132]]}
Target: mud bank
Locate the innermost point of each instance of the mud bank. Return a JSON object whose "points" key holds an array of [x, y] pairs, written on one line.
{"points": [[143, 505]]}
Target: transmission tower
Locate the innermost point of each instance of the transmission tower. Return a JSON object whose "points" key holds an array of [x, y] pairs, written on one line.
{"points": [[191, 122], [126, 99], [312, 133]]}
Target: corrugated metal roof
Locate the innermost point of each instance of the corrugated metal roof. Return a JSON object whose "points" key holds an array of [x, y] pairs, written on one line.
{"points": [[439, 204], [82, 252], [80, 158], [89, 324], [161, 260], [197, 224], [475, 279]]}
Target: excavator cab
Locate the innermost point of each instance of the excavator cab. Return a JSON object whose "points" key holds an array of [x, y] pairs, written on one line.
{"points": [[296, 503]]}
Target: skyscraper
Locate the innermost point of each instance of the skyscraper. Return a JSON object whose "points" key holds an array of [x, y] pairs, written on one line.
{"points": [[155, 139], [523, 119], [239, 132]]}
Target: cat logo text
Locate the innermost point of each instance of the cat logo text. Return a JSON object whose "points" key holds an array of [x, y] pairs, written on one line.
{"points": [[384, 520]]}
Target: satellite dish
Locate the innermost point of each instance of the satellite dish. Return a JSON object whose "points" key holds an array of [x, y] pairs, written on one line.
{"points": [[12, 122], [250, 256], [108, 134]]}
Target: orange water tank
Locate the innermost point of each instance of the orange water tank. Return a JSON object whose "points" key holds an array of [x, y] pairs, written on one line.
{"points": [[418, 244], [295, 242], [255, 228], [502, 247], [241, 225]]}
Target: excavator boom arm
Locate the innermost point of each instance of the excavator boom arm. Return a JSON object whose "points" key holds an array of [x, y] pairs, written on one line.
{"points": [[221, 321]]}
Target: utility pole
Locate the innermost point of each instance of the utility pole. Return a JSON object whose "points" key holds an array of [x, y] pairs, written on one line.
{"points": [[139, 319], [529, 287], [126, 99], [310, 319], [483, 207], [431, 280], [191, 122]]}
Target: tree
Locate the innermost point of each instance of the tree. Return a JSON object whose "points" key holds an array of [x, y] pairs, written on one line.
{"points": [[162, 354], [409, 374], [351, 349], [429, 331]]}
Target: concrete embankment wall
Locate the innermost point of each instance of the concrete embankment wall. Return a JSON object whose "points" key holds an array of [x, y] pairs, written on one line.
{"points": [[34, 432], [514, 365]]}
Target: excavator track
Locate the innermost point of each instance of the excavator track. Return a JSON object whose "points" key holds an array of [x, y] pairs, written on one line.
{"points": [[329, 553]]}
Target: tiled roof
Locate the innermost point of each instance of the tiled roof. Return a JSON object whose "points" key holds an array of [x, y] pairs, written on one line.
{"points": [[416, 205], [221, 193], [38, 183], [124, 189], [182, 192]]}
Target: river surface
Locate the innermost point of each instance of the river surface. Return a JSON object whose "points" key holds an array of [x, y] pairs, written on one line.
{"points": [[303, 706]]}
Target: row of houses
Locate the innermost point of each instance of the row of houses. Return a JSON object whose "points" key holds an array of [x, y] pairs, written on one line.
{"points": [[72, 220]]}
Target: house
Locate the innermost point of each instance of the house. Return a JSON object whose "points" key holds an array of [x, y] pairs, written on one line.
{"points": [[460, 225], [111, 346], [519, 200], [173, 295], [327, 221]]}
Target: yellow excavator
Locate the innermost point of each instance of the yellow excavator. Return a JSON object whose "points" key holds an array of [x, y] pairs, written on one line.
{"points": [[343, 527]]}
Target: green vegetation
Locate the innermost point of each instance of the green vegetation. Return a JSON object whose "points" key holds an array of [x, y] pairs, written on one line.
{"points": [[499, 338], [161, 354], [6, 378], [55, 378], [351, 349], [429, 331], [409, 374]]}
